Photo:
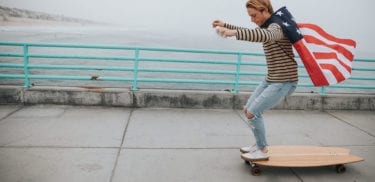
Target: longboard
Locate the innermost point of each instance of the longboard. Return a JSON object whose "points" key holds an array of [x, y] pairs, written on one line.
{"points": [[304, 156]]}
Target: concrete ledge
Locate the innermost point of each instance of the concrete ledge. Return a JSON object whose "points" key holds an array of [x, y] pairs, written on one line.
{"points": [[185, 99], [66, 95], [11, 94], [345, 101], [302, 101], [175, 98]]}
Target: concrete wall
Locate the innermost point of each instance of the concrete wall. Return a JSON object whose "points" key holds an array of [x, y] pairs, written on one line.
{"points": [[175, 98]]}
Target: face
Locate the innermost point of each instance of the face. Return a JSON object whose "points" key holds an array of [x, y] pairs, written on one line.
{"points": [[257, 17]]}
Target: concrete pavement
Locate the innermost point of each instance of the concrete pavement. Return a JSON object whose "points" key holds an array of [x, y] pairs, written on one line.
{"points": [[53, 143]]}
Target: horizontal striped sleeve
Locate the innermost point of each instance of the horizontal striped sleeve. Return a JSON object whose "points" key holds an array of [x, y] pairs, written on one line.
{"points": [[273, 33], [232, 27]]}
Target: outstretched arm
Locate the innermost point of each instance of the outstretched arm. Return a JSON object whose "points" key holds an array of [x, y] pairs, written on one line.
{"points": [[272, 33]]}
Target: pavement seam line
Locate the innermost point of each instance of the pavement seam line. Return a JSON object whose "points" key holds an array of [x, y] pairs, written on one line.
{"points": [[295, 174], [54, 147], [11, 113], [120, 147], [181, 148], [244, 119], [348, 123]]}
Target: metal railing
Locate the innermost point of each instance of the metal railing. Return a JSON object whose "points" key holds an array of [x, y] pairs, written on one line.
{"points": [[224, 67]]}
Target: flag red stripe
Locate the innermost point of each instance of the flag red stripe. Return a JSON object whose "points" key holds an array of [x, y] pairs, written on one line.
{"points": [[331, 55], [338, 48], [330, 37], [312, 67], [338, 75]]}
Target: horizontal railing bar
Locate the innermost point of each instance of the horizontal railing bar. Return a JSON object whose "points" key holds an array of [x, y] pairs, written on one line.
{"points": [[196, 71], [362, 69], [196, 81], [12, 76], [362, 78], [80, 57], [254, 64], [94, 78], [186, 61], [248, 83], [6, 43], [364, 60], [10, 55], [200, 51], [10, 65], [79, 67], [353, 86], [60, 77]]}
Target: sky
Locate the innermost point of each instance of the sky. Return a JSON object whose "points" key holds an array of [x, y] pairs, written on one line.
{"points": [[343, 18]]}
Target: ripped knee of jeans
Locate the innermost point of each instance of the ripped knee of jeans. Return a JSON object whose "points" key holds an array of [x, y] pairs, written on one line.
{"points": [[248, 114]]}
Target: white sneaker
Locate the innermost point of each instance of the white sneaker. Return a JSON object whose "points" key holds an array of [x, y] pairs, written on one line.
{"points": [[250, 149], [255, 156]]}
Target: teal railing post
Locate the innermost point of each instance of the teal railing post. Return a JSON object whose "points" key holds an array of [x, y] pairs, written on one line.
{"points": [[237, 76], [135, 73], [323, 91], [26, 65]]}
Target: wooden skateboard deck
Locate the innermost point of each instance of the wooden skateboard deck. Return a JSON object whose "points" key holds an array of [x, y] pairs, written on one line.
{"points": [[305, 156]]}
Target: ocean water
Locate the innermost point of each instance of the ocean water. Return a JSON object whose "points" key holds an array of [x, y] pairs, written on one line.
{"points": [[100, 35]]}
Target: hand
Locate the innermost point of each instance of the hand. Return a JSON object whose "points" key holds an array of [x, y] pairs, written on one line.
{"points": [[224, 32], [217, 23]]}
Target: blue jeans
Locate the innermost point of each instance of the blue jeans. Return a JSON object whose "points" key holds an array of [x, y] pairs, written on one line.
{"points": [[265, 96]]}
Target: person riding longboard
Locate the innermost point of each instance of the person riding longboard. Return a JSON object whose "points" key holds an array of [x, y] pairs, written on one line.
{"points": [[282, 73]]}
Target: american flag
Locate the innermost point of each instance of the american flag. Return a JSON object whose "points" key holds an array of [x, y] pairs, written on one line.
{"points": [[327, 59]]}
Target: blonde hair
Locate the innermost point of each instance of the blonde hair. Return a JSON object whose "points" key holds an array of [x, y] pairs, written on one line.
{"points": [[260, 5]]}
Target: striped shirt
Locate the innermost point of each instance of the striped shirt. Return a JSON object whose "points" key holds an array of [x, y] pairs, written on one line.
{"points": [[281, 66]]}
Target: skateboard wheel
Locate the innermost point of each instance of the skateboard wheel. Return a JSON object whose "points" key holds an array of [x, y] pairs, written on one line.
{"points": [[247, 162], [255, 171], [340, 168]]}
